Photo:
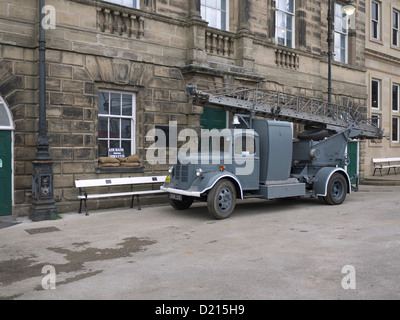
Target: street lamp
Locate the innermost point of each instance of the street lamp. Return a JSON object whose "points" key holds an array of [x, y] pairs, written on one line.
{"points": [[349, 9], [43, 203]]}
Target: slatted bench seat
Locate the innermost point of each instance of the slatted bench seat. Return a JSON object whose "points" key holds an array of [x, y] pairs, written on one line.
{"points": [[386, 163], [83, 185]]}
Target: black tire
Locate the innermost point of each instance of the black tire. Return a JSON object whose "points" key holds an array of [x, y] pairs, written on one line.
{"points": [[322, 199], [181, 205], [337, 189], [221, 199], [313, 134]]}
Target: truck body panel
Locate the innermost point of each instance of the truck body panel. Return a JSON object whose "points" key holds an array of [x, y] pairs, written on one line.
{"points": [[275, 149]]}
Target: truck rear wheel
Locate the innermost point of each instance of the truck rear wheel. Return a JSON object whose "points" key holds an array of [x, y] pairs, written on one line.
{"points": [[222, 199], [337, 189], [182, 205]]}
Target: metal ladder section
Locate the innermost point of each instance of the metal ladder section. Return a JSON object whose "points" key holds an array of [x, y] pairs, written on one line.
{"points": [[283, 106]]}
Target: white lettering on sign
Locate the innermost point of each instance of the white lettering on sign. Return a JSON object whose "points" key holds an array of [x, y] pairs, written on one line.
{"points": [[116, 152]]}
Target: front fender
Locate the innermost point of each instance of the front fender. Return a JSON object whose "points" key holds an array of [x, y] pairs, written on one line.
{"points": [[209, 179], [322, 178], [204, 183]]}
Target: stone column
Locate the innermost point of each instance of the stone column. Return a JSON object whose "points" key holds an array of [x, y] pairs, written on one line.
{"points": [[271, 20], [196, 46], [244, 41], [301, 24]]}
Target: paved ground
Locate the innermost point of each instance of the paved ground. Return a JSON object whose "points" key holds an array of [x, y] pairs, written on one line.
{"points": [[286, 249]]}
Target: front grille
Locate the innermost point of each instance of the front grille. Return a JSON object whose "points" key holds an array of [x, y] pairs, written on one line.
{"points": [[185, 173], [182, 172], [178, 171]]}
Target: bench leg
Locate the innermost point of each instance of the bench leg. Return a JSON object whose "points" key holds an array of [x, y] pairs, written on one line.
{"points": [[80, 206], [138, 202], [86, 210], [132, 201]]}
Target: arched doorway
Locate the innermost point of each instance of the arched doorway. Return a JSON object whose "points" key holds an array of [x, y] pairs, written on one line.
{"points": [[6, 160]]}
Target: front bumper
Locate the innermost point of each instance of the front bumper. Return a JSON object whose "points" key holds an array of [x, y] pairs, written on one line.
{"points": [[189, 193]]}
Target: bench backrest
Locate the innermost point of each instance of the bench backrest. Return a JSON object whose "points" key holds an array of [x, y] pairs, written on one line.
{"points": [[376, 160], [118, 181]]}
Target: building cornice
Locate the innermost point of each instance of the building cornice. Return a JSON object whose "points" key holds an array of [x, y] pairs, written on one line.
{"points": [[382, 56]]}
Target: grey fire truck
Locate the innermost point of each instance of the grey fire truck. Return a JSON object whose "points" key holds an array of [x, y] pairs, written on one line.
{"points": [[259, 158]]}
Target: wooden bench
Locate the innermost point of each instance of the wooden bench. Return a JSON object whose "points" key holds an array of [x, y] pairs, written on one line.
{"points": [[83, 185], [385, 163]]}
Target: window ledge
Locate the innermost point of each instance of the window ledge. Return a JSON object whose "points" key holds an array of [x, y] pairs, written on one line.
{"points": [[394, 47], [377, 41], [120, 169]]}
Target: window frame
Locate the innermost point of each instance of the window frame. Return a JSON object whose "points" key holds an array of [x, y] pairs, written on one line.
{"points": [[376, 21], [397, 130], [341, 34], [397, 99], [219, 14], [396, 29], [137, 6], [293, 30], [378, 94], [110, 116], [378, 119]]}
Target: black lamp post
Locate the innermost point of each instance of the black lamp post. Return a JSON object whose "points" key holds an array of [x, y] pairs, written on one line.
{"points": [[43, 203], [349, 9]]}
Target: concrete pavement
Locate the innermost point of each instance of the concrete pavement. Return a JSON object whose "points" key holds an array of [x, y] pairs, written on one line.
{"points": [[281, 249]]}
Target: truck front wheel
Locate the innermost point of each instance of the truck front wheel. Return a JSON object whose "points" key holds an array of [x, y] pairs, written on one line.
{"points": [[337, 189], [222, 199], [182, 205]]}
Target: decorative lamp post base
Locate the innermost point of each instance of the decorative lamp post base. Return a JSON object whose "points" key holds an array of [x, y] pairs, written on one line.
{"points": [[43, 203]]}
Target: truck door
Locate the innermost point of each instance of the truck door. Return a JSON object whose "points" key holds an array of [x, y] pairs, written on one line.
{"points": [[352, 167], [246, 159]]}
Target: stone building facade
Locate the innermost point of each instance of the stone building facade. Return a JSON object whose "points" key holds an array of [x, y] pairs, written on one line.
{"points": [[383, 77], [116, 69]]}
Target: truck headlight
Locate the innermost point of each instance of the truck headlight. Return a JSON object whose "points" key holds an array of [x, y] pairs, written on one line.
{"points": [[199, 172], [171, 170]]}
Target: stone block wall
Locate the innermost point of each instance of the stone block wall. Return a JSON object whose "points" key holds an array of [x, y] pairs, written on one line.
{"points": [[151, 52]]}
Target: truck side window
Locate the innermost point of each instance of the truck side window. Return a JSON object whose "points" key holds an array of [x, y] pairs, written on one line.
{"points": [[245, 145], [215, 144]]}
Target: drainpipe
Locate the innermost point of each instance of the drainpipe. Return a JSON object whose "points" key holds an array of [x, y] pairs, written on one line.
{"points": [[330, 40], [43, 203]]}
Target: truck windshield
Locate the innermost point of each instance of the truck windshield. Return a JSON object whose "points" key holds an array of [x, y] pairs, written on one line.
{"points": [[245, 145], [215, 143]]}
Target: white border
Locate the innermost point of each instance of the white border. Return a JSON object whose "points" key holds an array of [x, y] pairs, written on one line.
{"points": [[10, 128], [9, 117]]}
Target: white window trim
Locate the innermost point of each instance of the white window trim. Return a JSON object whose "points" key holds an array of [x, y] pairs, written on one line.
{"points": [[378, 116], [293, 14], [346, 34], [132, 118], [398, 97], [396, 29], [377, 21], [226, 14], [379, 94], [398, 129], [117, 2]]}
